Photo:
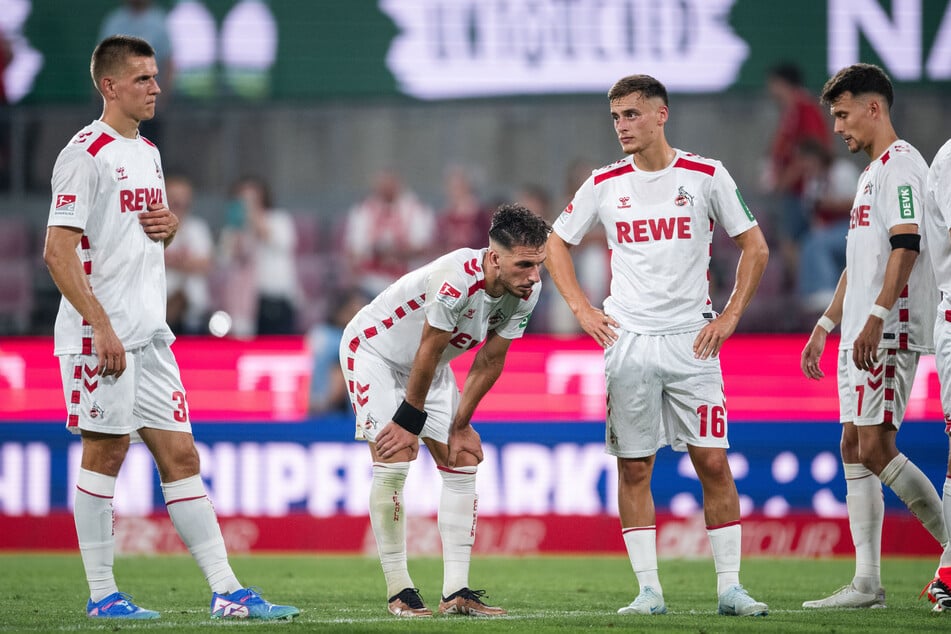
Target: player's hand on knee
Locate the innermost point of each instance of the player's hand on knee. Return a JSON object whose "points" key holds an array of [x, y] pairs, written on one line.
{"points": [[464, 440], [393, 439]]}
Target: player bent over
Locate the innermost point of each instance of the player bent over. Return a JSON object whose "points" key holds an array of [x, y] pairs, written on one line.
{"points": [[107, 230], [658, 328], [885, 301], [395, 355], [937, 231]]}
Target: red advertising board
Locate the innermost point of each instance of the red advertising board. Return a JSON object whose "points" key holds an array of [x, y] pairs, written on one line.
{"points": [[545, 379], [800, 535]]}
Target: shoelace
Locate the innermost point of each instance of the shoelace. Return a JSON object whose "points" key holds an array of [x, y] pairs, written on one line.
{"points": [[927, 588], [474, 595], [411, 597]]}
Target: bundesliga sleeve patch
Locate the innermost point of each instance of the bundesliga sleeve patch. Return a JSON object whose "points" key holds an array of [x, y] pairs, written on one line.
{"points": [[448, 294], [65, 205], [906, 205]]}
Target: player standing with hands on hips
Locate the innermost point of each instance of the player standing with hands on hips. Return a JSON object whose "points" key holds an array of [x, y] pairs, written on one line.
{"points": [[885, 301], [107, 231], [661, 336], [395, 355]]}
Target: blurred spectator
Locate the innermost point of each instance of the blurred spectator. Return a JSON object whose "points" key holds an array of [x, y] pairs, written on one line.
{"points": [[386, 233], [194, 39], [188, 262], [6, 57], [257, 249], [328, 391], [800, 119], [464, 221], [828, 193], [142, 18]]}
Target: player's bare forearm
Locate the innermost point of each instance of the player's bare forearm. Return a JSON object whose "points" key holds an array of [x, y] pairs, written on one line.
{"points": [[68, 274], [754, 254], [897, 271], [485, 371], [431, 346], [561, 268], [812, 352]]}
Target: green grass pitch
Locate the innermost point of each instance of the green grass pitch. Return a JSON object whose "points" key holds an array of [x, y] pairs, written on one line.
{"points": [[47, 593]]}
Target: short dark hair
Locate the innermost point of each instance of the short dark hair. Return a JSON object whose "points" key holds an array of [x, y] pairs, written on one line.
{"points": [[788, 72], [858, 79], [646, 85], [112, 53], [516, 226]]}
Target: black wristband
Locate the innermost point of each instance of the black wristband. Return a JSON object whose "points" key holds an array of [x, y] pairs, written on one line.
{"points": [[910, 241], [410, 418]]}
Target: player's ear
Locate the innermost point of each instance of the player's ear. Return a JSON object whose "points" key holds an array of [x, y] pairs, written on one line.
{"points": [[493, 257]]}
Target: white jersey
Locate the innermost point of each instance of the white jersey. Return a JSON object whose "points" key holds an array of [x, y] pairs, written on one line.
{"points": [[890, 192], [449, 293], [101, 182], [937, 222], [660, 229]]}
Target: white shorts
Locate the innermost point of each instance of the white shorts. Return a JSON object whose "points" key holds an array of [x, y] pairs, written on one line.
{"points": [[148, 394], [377, 389], [659, 394], [942, 359], [879, 395]]}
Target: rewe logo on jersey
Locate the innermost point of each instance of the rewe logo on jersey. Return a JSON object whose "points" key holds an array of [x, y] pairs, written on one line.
{"points": [[139, 199], [654, 229], [860, 217]]}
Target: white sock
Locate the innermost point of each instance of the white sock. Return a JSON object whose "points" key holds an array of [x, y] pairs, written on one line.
{"points": [[92, 511], [194, 518], [458, 510], [866, 507], [389, 526], [725, 542], [919, 495], [946, 507], [641, 543]]}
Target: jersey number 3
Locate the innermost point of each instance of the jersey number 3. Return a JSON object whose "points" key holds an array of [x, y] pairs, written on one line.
{"points": [[181, 410]]}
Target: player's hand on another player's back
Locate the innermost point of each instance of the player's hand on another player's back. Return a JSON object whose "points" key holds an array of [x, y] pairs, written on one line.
{"points": [[809, 360], [464, 440], [159, 223], [598, 324], [393, 439], [711, 338]]}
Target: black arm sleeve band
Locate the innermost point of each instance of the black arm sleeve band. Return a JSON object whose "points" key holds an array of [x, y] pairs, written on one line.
{"points": [[910, 241], [410, 418]]}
